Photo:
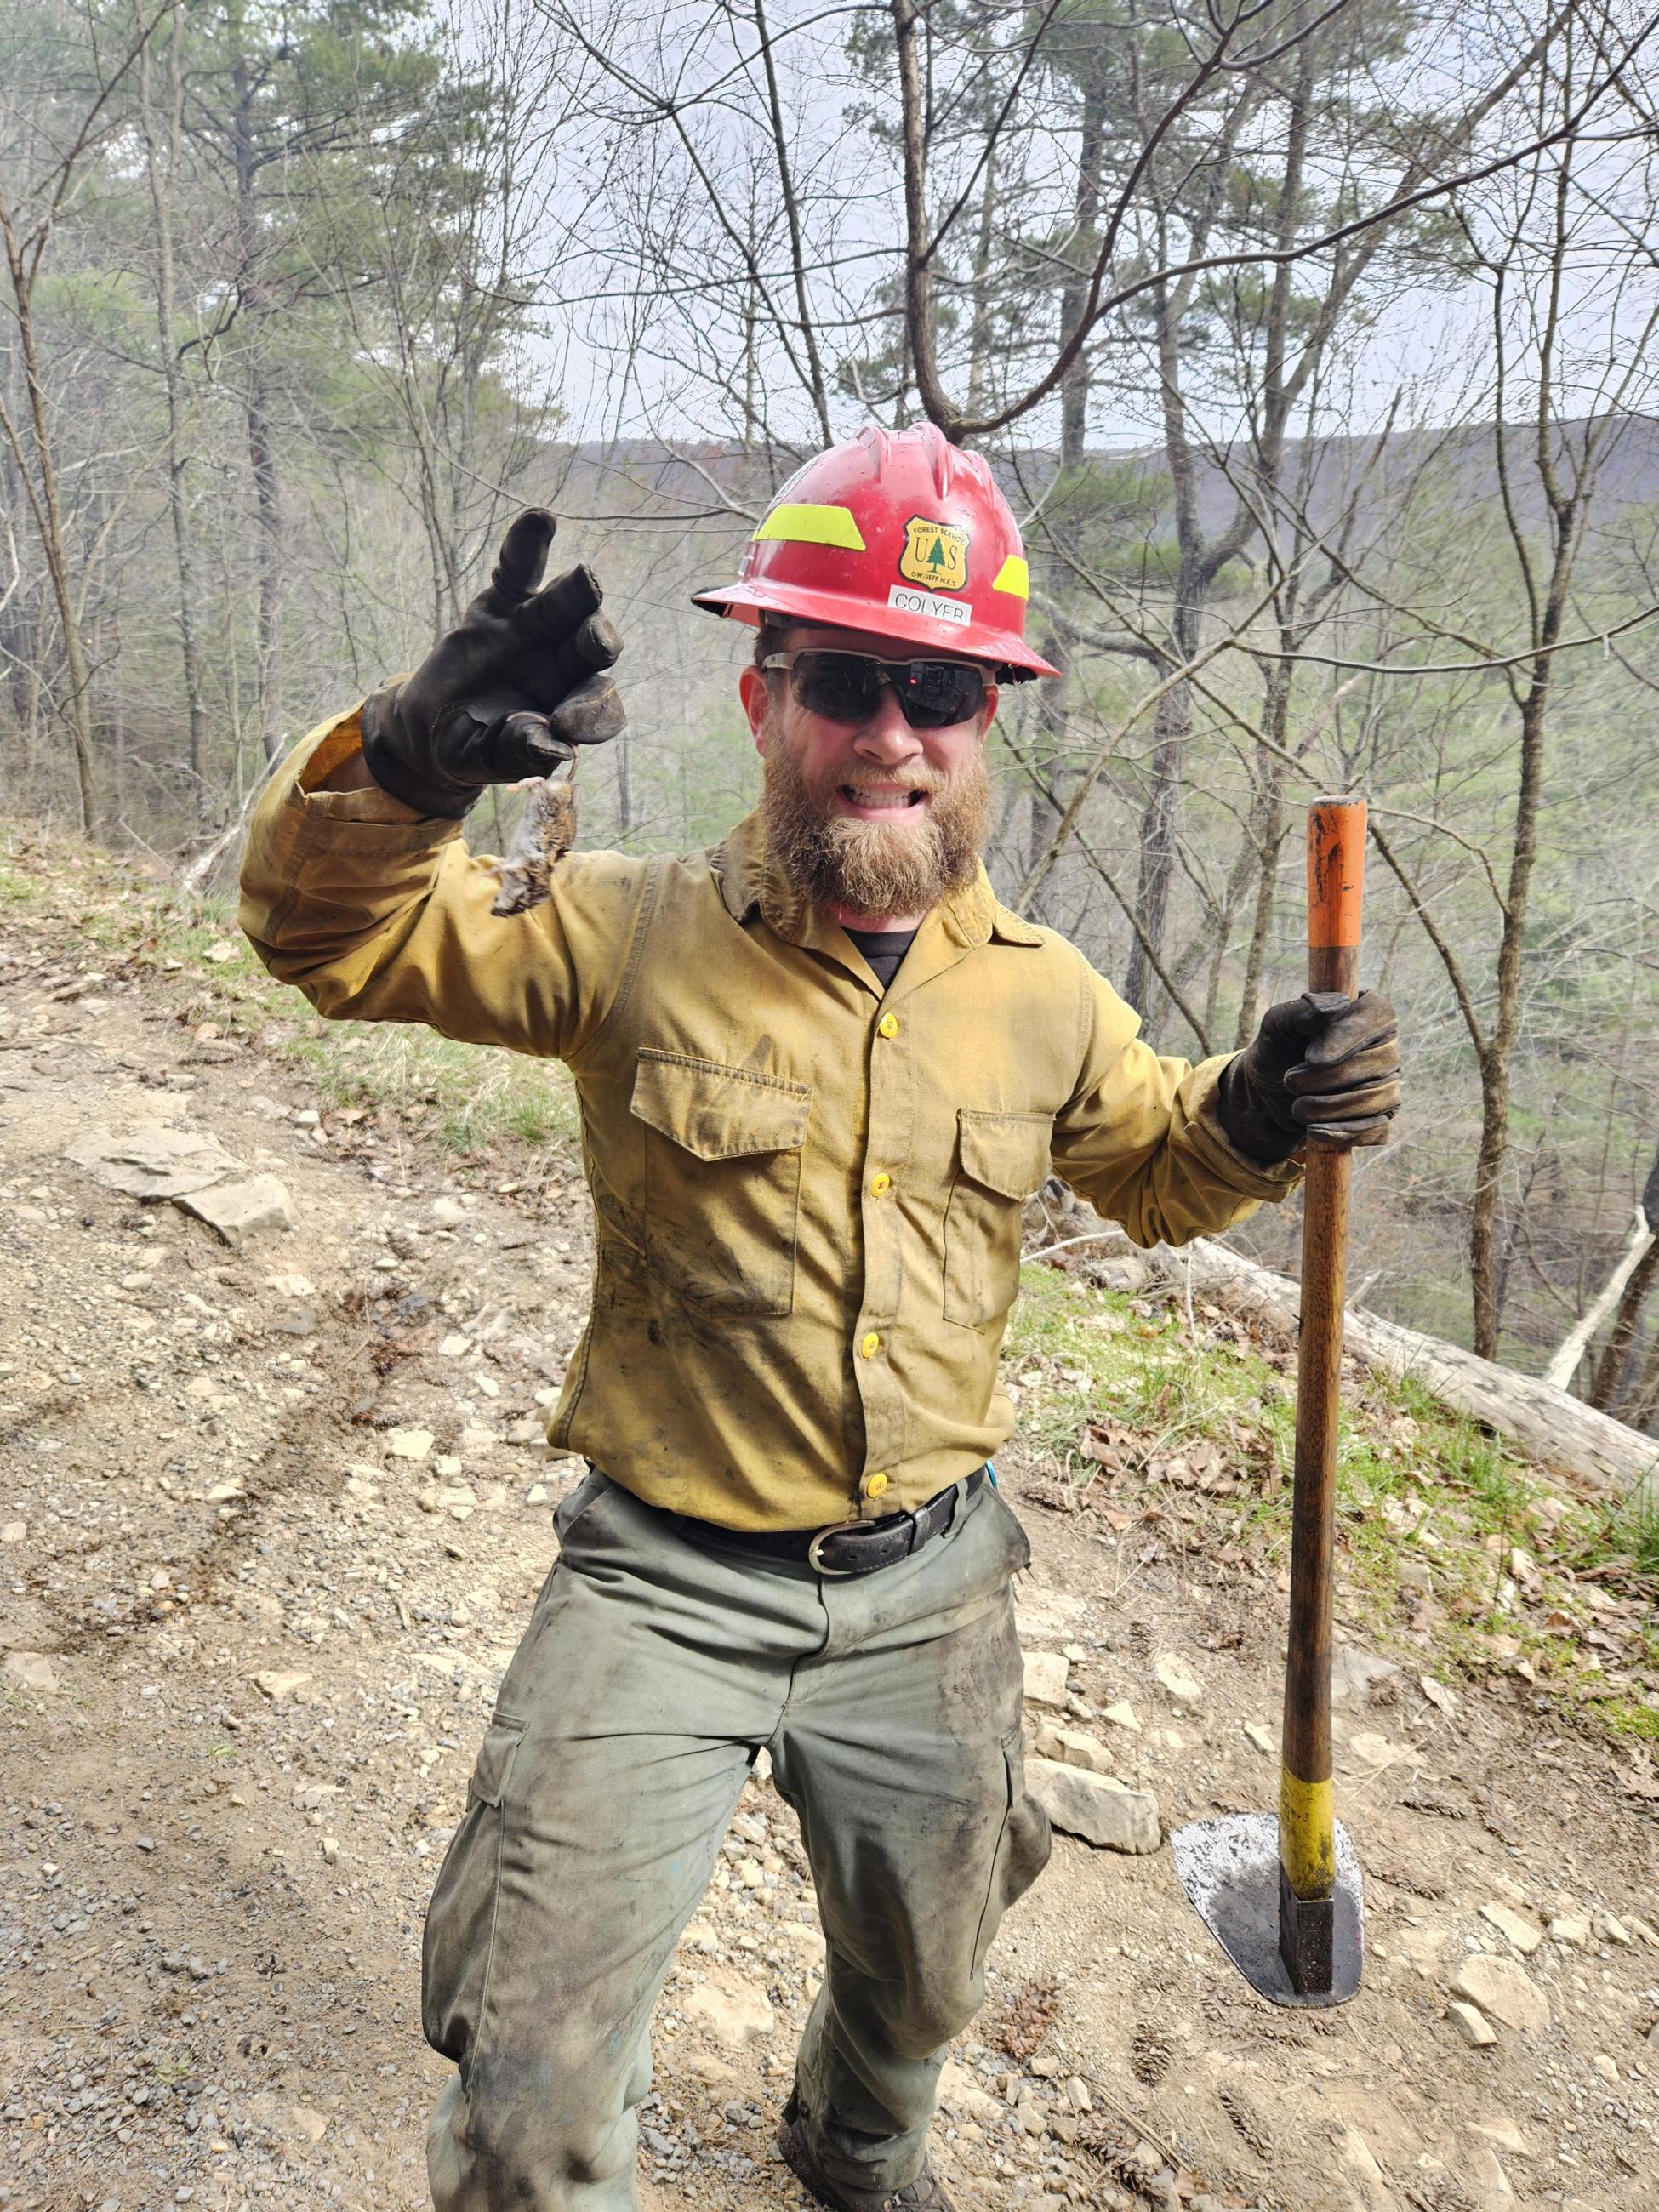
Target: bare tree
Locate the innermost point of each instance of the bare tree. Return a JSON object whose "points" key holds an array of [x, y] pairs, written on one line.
{"points": [[53, 144], [162, 131]]}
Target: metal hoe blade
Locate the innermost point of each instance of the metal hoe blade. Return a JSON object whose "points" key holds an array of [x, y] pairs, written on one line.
{"points": [[1229, 1870]]}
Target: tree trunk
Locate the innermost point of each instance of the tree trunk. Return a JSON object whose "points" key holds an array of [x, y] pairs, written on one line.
{"points": [[1054, 705], [1174, 719], [1267, 826], [1500, 1051], [1170, 730], [262, 461], [624, 758], [161, 194], [1644, 1397], [1609, 1370], [980, 332], [1085, 217], [1053, 721], [41, 492], [20, 642]]}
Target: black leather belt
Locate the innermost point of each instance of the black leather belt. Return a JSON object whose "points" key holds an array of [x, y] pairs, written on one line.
{"points": [[846, 1547]]}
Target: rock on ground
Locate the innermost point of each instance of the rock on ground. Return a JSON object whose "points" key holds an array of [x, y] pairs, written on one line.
{"points": [[1524, 1934], [1356, 1674], [153, 1162], [1045, 1678], [30, 1670], [1177, 1679], [256, 1206], [1472, 2024], [1505, 1992], [733, 2011], [1072, 1747], [1094, 1806]]}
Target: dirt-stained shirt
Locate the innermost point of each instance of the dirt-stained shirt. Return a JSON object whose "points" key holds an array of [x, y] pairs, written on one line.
{"points": [[806, 1191]]}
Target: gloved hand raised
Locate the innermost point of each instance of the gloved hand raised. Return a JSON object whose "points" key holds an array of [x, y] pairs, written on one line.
{"points": [[507, 695], [1322, 1065]]}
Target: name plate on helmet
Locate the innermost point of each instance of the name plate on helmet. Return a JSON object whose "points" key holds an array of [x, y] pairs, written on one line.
{"points": [[923, 603]]}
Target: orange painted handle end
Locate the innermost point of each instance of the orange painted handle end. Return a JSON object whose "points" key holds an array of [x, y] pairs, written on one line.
{"points": [[1336, 873]]}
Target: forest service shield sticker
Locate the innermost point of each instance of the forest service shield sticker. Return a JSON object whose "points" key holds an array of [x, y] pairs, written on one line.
{"points": [[935, 553]]}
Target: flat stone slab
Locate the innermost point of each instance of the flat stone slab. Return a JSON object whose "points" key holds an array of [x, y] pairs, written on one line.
{"points": [[194, 1170], [733, 2011], [153, 1162], [258, 1206], [1101, 1811], [1505, 1991], [1524, 1934], [1072, 1747], [1045, 1678]]}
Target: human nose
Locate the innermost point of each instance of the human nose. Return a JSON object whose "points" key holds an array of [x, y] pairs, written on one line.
{"points": [[886, 737]]}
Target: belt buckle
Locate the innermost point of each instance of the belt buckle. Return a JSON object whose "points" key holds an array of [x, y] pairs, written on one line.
{"points": [[814, 1558]]}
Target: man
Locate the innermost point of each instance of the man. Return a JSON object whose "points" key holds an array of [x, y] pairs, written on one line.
{"points": [[819, 1069]]}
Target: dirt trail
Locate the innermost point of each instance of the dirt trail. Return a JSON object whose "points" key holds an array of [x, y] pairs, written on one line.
{"points": [[269, 1524]]}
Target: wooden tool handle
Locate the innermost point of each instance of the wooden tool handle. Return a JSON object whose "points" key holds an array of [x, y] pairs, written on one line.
{"points": [[1336, 876]]}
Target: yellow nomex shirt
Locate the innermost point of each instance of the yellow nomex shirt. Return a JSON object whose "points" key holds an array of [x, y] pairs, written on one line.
{"points": [[806, 1194]]}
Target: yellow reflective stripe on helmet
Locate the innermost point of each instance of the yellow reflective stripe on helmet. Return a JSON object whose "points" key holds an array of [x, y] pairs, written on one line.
{"points": [[1013, 576], [794, 524]]}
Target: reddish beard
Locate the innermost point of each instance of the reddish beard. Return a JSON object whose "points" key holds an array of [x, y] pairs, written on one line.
{"points": [[876, 868]]}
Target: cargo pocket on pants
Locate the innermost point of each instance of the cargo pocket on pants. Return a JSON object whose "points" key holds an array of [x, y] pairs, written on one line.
{"points": [[1022, 1852], [461, 1922]]}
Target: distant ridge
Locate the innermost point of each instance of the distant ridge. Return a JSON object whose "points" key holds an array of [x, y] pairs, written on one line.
{"points": [[706, 484]]}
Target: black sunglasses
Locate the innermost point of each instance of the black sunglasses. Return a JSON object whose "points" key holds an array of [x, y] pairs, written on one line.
{"points": [[846, 687]]}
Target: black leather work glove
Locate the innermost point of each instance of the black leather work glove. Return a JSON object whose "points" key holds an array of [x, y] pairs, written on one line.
{"points": [[1320, 1065], [506, 696]]}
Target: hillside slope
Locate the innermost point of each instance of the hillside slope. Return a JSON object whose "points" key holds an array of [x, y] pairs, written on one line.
{"points": [[272, 1517]]}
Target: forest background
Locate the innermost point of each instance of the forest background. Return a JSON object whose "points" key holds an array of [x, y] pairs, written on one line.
{"points": [[1312, 343]]}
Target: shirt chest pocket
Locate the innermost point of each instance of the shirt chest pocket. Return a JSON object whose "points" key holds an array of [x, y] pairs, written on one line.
{"points": [[722, 1181], [1001, 1158]]}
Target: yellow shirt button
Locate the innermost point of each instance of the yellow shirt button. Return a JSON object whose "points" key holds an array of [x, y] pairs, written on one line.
{"points": [[880, 1185], [888, 1026], [869, 1346], [875, 1484]]}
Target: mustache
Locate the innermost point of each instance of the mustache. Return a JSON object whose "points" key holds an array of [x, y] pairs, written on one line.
{"points": [[915, 776]]}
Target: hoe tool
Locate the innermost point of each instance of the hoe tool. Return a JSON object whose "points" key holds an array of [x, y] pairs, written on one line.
{"points": [[1282, 1896]]}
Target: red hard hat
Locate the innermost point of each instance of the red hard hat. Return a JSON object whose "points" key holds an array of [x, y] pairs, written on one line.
{"points": [[897, 532]]}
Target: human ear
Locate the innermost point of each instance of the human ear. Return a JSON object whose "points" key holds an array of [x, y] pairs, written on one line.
{"points": [[757, 699]]}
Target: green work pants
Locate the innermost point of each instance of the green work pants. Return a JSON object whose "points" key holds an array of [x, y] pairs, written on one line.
{"points": [[655, 1667]]}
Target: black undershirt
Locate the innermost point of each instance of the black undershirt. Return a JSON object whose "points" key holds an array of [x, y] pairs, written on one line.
{"points": [[883, 950]]}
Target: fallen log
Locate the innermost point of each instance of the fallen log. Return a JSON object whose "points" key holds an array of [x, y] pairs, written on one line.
{"points": [[1546, 1423]]}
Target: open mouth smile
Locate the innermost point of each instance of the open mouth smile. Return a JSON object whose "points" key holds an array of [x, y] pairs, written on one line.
{"points": [[879, 802]]}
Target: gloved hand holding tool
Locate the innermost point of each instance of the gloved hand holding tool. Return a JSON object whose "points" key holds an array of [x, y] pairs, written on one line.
{"points": [[1323, 1065], [507, 696]]}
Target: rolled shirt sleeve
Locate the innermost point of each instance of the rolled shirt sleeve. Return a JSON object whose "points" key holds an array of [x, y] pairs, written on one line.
{"points": [[379, 913], [1140, 1138]]}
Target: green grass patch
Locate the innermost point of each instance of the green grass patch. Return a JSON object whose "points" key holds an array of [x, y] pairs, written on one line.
{"points": [[1442, 1531], [478, 1100], [1631, 1531], [1624, 1716]]}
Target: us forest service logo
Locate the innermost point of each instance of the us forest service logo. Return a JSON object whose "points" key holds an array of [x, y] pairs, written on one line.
{"points": [[935, 553]]}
